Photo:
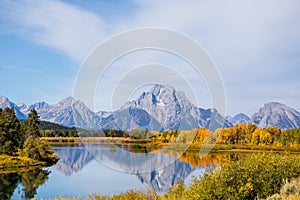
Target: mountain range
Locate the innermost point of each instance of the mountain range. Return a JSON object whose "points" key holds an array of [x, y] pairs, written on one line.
{"points": [[161, 108]]}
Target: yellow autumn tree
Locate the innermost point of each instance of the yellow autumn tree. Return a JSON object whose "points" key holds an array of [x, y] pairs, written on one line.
{"points": [[226, 136], [256, 137], [265, 137]]}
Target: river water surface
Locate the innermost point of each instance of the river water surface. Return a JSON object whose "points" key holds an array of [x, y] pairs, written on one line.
{"points": [[104, 169]]}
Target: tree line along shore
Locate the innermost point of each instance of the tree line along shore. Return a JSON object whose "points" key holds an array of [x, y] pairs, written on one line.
{"points": [[238, 137]]}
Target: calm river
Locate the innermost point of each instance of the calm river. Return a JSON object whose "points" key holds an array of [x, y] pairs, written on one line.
{"points": [[104, 169]]}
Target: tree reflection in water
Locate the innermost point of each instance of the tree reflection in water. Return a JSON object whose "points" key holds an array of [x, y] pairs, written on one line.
{"points": [[30, 181], [8, 183]]}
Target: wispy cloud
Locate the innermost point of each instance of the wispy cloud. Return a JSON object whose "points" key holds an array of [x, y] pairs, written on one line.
{"points": [[237, 33], [55, 24]]}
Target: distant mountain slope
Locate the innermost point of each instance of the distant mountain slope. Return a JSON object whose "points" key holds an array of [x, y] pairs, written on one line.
{"points": [[73, 113], [240, 118], [129, 119], [276, 114], [5, 102], [40, 107], [161, 108]]}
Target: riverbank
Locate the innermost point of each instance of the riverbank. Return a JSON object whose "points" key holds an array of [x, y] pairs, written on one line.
{"points": [[153, 145], [89, 140], [9, 164]]}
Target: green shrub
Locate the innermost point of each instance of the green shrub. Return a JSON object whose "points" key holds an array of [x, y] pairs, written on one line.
{"points": [[260, 176], [39, 150], [176, 191]]}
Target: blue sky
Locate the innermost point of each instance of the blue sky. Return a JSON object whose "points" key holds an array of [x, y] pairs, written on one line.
{"points": [[254, 44]]}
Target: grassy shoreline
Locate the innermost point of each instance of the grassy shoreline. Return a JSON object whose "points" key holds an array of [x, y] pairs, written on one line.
{"points": [[214, 148], [10, 164]]}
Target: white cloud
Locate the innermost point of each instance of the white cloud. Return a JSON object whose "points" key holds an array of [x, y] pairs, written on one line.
{"points": [[56, 24], [230, 30], [254, 43]]}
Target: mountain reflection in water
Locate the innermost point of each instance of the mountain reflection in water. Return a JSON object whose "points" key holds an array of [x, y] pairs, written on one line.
{"points": [[158, 170], [106, 169]]}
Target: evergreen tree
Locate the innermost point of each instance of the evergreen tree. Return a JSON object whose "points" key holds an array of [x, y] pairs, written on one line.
{"points": [[34, 147], [31, 127], [11, 136]]}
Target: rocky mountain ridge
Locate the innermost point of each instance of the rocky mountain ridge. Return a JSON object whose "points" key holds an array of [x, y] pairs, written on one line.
{"points": [[161, 108]]}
